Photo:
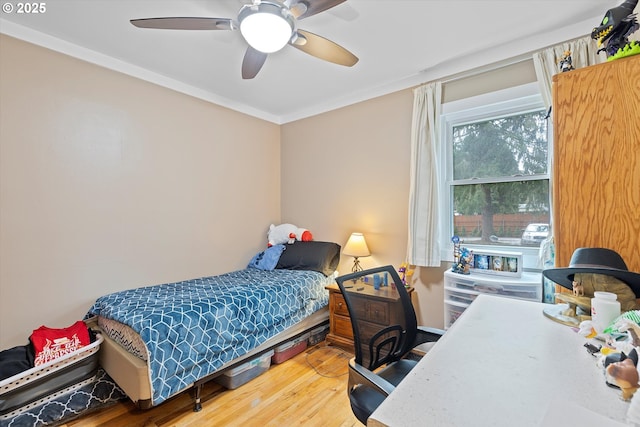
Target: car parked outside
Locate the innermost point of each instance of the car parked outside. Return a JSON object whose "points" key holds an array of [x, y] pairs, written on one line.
{"points": [[534, 234]]}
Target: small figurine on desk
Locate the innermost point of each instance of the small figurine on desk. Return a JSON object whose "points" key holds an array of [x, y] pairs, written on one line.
{"points": [[628, 322], [565, 62], [406, 272], [624, 374]]}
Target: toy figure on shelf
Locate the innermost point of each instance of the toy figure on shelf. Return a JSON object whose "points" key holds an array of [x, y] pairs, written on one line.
{"points": [[565, 62], [462, 257], [578, 289], [456, 248], [613, 32]]}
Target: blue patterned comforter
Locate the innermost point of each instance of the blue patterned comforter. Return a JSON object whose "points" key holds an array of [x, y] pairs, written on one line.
{"points": [[192, 328]]}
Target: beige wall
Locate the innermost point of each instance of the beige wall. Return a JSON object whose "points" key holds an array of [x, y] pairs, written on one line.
{"points": [[348, 170], [108, 182]]}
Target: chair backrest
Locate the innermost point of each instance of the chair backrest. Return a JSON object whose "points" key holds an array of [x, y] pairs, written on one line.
{"points": [[380, 335]]}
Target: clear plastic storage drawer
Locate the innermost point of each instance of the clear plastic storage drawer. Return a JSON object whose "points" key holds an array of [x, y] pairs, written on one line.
{"points": [[460, 290]]}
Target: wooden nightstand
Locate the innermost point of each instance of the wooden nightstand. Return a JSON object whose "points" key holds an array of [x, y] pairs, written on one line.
{"points": [[381, 307]]}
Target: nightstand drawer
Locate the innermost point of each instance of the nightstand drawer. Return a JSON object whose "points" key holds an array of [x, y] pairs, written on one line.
{"points": [[377, 312], [371, 310], [375, 307], [343, 326], [339, 305]]}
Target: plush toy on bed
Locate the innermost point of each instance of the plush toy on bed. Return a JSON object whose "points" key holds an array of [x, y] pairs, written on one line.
{"points": [[287, 233]]}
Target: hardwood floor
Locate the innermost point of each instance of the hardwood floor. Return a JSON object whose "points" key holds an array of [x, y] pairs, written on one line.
{"points": [[309, 390]]}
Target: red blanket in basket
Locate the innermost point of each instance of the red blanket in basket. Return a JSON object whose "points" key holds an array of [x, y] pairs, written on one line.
{"points": [[50, 343]]}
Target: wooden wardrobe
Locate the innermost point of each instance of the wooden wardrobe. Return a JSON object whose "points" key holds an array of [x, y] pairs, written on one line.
{"points": [[596, 164]]}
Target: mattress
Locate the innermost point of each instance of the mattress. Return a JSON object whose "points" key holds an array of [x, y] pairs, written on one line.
{"points": [[122, 334], [192, 328]]}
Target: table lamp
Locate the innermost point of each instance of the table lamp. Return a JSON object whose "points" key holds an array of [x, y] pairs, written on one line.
{"points": [[356, 247]]}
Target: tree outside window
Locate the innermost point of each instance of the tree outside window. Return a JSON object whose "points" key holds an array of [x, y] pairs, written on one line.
{"points": [[499, 181]]}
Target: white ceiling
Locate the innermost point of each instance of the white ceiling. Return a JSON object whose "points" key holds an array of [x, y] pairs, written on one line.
{"points": [[400, 43]]}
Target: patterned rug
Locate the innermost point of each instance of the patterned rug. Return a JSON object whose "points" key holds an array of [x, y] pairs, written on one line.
{"points": [[77, 400]]}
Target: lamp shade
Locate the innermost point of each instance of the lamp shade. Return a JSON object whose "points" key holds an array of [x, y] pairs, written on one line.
{"points": [[267, 27], [356, 246]]}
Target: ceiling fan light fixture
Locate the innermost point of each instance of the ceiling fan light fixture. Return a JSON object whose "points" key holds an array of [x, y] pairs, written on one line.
{"points": [[266, 26]]}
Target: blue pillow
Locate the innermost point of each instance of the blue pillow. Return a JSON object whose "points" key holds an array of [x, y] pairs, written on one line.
{"points": [[267, 259]]}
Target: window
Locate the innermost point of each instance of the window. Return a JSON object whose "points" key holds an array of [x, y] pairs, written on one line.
{"points": [[495, 155]]}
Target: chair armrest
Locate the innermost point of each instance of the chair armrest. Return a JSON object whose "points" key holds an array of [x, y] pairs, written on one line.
{"points": [[427, 334], [361, 375]]}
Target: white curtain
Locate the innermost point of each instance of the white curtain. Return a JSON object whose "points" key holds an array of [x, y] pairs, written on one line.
{"points": [[423, 247], [583, 53]]}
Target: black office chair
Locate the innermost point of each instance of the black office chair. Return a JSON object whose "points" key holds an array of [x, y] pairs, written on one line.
{"points": [[379, 363]]}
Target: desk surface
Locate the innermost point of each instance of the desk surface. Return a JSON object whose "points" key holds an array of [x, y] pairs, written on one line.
{"points": [[502, 362]]}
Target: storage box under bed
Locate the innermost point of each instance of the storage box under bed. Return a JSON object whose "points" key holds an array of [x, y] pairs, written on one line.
{"points": [[317, 335], [289, 349], [35, 385], [234, 378]]}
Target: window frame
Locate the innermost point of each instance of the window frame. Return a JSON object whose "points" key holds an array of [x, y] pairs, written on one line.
{"points": [[515, 100]]}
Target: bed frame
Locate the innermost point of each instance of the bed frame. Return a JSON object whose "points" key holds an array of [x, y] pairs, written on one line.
{"points": [[132, 373]]}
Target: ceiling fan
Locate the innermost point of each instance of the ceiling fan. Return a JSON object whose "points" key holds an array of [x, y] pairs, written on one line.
{"points": [[267, 26]]}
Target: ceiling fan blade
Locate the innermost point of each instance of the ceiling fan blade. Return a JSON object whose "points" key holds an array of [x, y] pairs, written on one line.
{"points": [[325, 49], [252, 62], [185, 23], [306, 8]]}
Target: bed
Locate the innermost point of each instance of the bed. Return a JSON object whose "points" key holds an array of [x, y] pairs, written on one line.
{"points": [[161, 340]]}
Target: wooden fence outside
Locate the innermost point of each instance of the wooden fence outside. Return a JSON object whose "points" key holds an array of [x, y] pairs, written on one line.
{"points": [[504, 225]]}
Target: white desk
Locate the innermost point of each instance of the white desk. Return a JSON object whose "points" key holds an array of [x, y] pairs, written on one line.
{"points": [[503, 363]]}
